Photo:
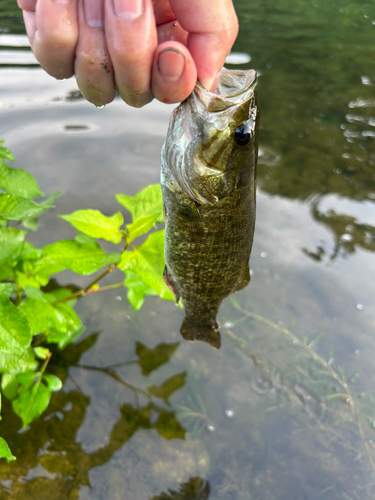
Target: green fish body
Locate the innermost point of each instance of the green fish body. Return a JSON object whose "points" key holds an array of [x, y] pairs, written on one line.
{"points": [[208, 171]]}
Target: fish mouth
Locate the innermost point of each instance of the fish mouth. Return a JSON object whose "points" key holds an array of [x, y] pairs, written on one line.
{"points": [[234, 87]]}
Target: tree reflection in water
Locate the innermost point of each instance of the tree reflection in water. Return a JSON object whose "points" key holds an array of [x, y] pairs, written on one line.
{"points": [[52, 463]]}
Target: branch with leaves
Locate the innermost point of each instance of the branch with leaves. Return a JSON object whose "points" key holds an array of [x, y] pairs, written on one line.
{"points": [[30, 317]]}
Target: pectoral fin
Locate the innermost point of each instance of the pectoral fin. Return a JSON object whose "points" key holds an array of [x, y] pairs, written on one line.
{"points": [[171, 284], [164, 213], [243, 281]]}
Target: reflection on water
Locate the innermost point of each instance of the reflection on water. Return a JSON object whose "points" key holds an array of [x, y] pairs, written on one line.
{"points": [[348, 234], [285, 409], [195, 489]]}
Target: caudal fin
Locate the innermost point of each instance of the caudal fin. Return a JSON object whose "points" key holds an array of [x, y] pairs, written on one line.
{"points": [[192, 329]]}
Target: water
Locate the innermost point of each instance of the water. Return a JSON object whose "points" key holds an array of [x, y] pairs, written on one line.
{"points": [[296, 366]]}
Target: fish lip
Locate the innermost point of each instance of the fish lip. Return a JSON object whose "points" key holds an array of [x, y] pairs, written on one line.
{"points": [[241, 85]]}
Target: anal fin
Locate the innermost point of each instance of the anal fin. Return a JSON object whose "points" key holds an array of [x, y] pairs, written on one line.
{"points": [[243, 280]]}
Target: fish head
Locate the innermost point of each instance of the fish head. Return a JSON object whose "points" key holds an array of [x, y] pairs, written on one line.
{"points": [[212, 137]]}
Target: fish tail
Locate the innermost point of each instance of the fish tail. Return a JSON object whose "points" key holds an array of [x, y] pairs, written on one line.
{"points": [[193, 329]]}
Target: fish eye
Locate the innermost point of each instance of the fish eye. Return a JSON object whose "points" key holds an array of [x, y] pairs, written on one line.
{"points": [[242, 135]]}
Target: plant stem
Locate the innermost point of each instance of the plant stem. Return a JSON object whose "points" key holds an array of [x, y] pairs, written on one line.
{"points": [[110, 268], [349, 395], [46, 361], [85, 291], [107, 287]]}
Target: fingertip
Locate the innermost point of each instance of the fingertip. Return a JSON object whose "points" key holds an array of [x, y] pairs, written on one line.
{"points": [[174, 73], [26, 4], [135, 99], [30, 24]]}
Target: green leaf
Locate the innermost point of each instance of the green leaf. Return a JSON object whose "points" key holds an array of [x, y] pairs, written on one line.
{"points": [[33, 293], [141, 226], [40, 315], [95, 224], [9, 385], [18, 182], [6, 272], [59, 322], [18, 208], [69, 254], [168, 387], [143, 203], [32, 221], [137, 289], [29, 252], [74, 327], [151, 359], [11, 243], [54, 383], [147, 261], [15, 338], [32, 400], [60, 293], [4, 448], [41, 352], [25, 280], [6, 289], [5, 153], [84, 238]]}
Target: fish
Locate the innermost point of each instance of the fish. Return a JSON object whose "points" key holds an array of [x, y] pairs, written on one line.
{"points": [[208, 182]]}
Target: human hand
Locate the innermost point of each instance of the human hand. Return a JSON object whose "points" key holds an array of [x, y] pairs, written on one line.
{"points": [[141, 48]]}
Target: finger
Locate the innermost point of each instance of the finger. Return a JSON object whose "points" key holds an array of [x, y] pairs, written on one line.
{"points": [[172, 31], [93, 67], [131, 37], [163, 12], [212, 28], [27, 4], [30, 25], [56, 36], [28, 11], [174, 74]]}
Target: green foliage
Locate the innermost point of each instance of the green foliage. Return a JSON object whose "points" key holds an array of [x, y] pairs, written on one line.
{"points": [[95, 224], [31, 317], [5, 451], [145, 202]]}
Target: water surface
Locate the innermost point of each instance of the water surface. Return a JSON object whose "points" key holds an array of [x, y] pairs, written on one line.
{"points": [[285, 409]]}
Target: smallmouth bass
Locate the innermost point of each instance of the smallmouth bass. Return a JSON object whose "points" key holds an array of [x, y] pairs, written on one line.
{"points": [[208, 172]]}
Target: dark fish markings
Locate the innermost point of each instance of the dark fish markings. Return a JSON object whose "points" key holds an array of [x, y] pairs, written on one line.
{"points": [[208, 184]]}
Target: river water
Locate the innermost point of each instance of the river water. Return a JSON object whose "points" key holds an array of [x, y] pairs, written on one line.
{"points": [[285, 408]]}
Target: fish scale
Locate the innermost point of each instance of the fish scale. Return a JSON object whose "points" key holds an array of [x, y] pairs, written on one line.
{"points": [[208, 184]]}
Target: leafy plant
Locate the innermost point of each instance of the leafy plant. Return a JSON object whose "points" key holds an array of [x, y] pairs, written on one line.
{"points": [[32, 317]]}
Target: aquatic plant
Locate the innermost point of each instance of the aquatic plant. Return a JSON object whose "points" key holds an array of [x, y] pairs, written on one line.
{"points": [[348, 409], [34, 312]]}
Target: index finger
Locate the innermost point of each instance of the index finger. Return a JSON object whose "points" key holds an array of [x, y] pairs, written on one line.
{"points": [[213, 28]]}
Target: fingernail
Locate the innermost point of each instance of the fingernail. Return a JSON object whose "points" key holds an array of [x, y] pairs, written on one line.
{"points": [[171, 63], [128, 9], [94, 13]]}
